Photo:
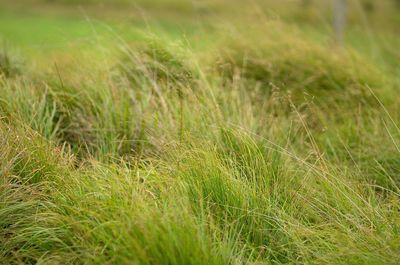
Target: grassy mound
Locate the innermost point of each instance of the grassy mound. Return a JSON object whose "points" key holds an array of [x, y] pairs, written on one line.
{"points": [[156, 61], [301, 67]]}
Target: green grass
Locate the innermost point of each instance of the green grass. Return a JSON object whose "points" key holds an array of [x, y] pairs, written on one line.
{"points": [[203, 143]]}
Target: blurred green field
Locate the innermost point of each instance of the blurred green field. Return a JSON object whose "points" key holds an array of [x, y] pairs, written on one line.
{"points": [[199, 132], [40, 26]]}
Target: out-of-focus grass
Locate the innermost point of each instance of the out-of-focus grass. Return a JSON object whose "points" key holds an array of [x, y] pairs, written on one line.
{"points": [[46, 36], [37, 25]]}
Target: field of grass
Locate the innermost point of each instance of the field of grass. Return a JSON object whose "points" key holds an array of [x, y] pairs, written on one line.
{"points": [[199, 132]]}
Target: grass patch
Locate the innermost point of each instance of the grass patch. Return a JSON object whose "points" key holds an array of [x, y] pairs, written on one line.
{"points": [[276, 149]]}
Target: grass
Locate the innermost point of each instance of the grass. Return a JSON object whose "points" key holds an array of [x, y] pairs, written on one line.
{"points": [[251, 145]]}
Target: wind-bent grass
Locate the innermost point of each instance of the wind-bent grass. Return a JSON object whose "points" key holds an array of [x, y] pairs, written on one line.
{"points": [[164, 159]]}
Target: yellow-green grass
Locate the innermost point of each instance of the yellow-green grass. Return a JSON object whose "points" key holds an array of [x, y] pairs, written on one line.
{"points": [[267, 145]]}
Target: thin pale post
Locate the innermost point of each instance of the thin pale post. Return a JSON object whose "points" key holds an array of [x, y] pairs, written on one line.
{"points": [[339, 21]]}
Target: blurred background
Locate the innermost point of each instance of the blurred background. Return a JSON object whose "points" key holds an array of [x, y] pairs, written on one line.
{"points": [[43, 27]]}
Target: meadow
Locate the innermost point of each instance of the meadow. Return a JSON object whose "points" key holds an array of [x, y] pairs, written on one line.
{"points": [[199, 132]]}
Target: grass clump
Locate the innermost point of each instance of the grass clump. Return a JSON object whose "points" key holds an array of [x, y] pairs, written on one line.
{"points": [[10, 66], [303, 68], [277, 207], [70, 114], [55, 213], [156, 61]]}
